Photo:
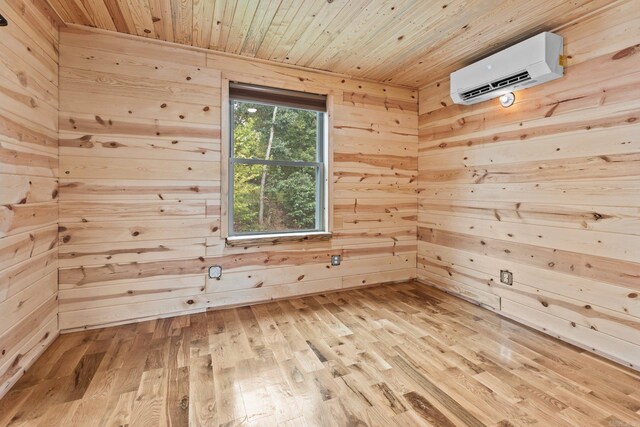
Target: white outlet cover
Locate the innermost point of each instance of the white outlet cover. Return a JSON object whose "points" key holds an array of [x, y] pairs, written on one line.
{"points": [[506, 277], [215, 272]]}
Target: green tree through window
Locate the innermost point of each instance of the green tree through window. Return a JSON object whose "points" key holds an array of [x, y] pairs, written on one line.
{"points": [[277, 169]]}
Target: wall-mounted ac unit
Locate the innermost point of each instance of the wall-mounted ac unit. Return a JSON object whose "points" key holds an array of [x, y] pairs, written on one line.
{"points": [[528, 63]]}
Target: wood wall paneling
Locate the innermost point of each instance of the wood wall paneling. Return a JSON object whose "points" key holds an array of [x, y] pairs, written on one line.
{"points": [[140, 190], [28, 187], [548, 189]]}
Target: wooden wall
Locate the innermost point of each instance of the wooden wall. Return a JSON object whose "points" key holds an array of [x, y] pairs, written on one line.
{"points": [[28, 186], [548, 189], [140, 204]]}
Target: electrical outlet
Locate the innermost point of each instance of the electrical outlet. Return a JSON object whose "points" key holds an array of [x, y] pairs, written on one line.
{"points": [[336, 260], [506, 277], [215, 272]]}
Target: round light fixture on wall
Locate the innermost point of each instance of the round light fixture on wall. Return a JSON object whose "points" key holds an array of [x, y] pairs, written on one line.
{"points": [[507, 99], [252, 110]]}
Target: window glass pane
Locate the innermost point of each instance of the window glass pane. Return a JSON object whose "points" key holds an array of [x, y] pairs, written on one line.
{"points": [[274, 132], [273, 198]]}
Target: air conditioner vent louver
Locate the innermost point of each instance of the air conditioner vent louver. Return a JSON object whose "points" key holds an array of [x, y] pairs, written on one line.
{"points": [[521, 77], [475, 92], [495, 85]]}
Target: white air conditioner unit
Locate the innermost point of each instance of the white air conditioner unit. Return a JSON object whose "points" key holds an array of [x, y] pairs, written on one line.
{"points": [[528, 63]]}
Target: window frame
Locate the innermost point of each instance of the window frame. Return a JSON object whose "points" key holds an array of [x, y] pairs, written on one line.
{"points": [[321, 165]]}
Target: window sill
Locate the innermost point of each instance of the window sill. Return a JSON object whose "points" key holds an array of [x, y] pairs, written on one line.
{"points": [[274, 239]]}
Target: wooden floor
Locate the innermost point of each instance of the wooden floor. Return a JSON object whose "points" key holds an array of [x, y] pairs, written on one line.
{"points": [[388, 355]]}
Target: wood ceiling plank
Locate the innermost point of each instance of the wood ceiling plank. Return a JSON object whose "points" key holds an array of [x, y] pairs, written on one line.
{"points": [[117, 16], [283, 18], [71, 11], [227, 19], [318, 25], [347, 39], [182, 12], [47, 15], [381, 40], [424, 36], [404, 42], [141, 14], [162, 19], [383, 45], [340, 23], [586, 45], [121, 16], [216, 25], [202, 19], [242, 19], [475, 31], [497, 29], [300, 24], [262, 21], [100, 15]]}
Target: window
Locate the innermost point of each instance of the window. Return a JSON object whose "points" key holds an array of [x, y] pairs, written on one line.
{"points": [[277, 171]]}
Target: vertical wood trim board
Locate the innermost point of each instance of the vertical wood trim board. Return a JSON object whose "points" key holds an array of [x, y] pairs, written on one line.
{"points": [[548, 189], [140, 187], [28, 187]]}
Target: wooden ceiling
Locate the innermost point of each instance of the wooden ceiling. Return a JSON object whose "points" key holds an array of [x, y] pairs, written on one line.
{"points": [[407, 42]]}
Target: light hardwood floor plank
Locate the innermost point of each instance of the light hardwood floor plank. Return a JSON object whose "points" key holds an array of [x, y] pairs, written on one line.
{"points": [[385, 355]]}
